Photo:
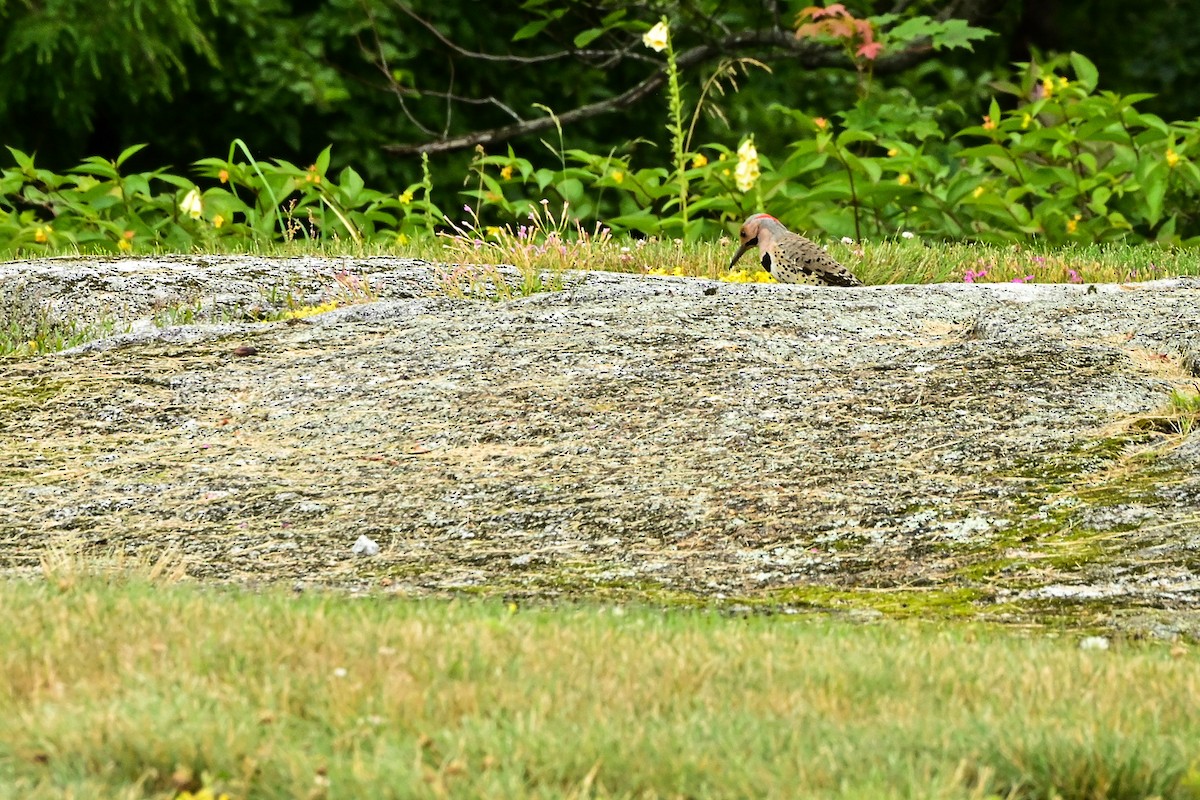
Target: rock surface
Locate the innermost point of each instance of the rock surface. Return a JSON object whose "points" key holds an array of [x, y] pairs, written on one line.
{"points": [[1002, 451]]}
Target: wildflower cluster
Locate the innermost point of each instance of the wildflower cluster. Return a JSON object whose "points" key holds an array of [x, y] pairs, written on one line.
{"points": [[747, 172]]}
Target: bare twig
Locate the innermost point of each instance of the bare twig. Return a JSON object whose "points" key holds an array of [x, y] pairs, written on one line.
{"points": [[509, 58], [768, 44]]}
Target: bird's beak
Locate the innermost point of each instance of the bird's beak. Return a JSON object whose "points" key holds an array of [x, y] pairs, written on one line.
{"points": [[753, 242]]}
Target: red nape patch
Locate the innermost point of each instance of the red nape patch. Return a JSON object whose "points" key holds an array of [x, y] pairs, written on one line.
{"points": [[763, 216]]}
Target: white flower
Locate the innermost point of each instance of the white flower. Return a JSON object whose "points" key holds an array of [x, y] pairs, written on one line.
{"points": [[192, 205], [907, 235], [847, 240], [746, 173], [656, 38]]}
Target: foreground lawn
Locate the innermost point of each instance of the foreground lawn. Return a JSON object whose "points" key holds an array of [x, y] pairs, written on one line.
{"points": [[132, 688]]}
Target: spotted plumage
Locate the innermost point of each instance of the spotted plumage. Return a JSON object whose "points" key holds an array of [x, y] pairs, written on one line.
{"points": [[789, 257]]}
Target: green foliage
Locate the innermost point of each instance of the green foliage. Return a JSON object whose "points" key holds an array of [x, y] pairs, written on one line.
{"points": [[1061, 162], [69, 58], [95, 207]]}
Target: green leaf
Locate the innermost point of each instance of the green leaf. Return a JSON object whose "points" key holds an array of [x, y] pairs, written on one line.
{"points": [[984, 151], [127, 152], [322, 162], [95, 165], [957, 33], [531, 29], [587, 37], [847, 138], [1085, 71], [910, 29], [23, 161], [643, 220], [137, 187], [1166, 233], [1154, 188], [543, 177], [351, 184]]}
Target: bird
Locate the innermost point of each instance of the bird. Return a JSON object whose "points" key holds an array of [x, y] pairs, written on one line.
{"points": [[789, 257]]}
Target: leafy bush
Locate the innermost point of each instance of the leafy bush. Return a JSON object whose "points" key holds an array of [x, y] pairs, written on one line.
{"points": [[1060, 161]]}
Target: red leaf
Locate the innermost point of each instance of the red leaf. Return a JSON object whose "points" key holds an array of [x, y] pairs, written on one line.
{"points": [[807, 13], [869, 51], [839, 29], [835, 10]]}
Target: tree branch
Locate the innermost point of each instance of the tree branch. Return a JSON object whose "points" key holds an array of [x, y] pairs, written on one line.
{"points": [[505, 132], [765, 45]]}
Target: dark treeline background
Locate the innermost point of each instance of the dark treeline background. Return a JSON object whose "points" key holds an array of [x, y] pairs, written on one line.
{"points": [[376, 78]]}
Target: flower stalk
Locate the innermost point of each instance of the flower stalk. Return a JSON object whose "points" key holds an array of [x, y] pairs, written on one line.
{"points": [[658, 39]]}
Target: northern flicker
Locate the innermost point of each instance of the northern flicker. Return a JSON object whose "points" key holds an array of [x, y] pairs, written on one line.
{"points": [[789, 257]]}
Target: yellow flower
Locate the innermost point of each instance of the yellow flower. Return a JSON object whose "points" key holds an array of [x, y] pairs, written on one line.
{"points": [[191, 204], [507, 172], [402, 239], [725, 172], [821, 123], [988, 123], [893, 152], [1025, 121], [1063, 82], [1073, 223], [223, 176], [1172, 157], [313, 176], [658, 37], [618, 176], [746, 276], [42, 234], [904, 179], [699, 161], [746, 173], [406, 197], [979, 190], [124, 245], [203, 794], [218, 221], [1048, 87], [492, 230]]}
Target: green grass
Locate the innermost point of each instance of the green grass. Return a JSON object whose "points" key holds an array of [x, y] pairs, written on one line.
{"points": [[119, 686], [882, 262], [876, 262]]}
